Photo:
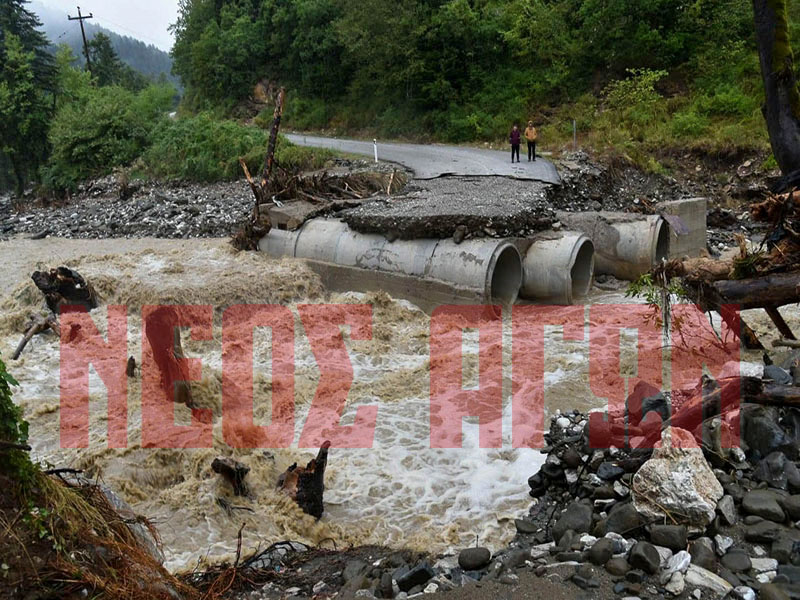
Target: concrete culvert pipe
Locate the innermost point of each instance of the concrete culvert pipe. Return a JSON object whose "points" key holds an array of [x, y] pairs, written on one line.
{"points": [[558, 268], [626, 245], [490, 270]]}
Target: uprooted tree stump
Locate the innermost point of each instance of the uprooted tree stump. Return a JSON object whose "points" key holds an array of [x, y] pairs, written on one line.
{"points": [[63, 287], [63, 290], [306, 485], [234, 473]]}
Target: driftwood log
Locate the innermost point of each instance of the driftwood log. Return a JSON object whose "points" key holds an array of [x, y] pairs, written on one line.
{"points": [[234, 473], [38, 324], [306, 485]]}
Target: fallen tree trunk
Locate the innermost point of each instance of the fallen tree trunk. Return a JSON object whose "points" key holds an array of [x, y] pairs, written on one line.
{"points": [[38, 325], [306, 485], [234, 473], [760, 292]]}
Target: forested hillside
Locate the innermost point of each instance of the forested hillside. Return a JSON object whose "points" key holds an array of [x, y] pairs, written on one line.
{"points": [[629, 71], [144, 58]]}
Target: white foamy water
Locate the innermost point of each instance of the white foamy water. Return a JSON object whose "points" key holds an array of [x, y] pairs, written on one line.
{"points": [[399, 493]]}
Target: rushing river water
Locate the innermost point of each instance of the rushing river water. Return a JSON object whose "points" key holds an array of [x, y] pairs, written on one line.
{"points": [[400, 492]]}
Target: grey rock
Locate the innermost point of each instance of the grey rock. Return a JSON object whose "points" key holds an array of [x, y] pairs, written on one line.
{"points": [[617, 566], [737, 561], [763, 532], [726, 508], [417, 576], [791, 505], [624, 519], [525, 527], [601, 552], [778, 375], [699, 577], [609, 471], [472, 559], [644, 556], [703, 555], [763, 503], [674, 537], [577, 517]]}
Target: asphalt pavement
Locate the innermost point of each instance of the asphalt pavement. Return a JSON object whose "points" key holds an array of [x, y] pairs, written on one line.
{"points": [[429, 161]]}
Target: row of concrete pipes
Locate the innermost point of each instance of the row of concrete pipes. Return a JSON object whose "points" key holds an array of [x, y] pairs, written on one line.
{"points": [[553, 267]]}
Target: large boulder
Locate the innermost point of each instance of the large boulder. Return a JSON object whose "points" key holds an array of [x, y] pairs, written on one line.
{"points": [[677, 483]]}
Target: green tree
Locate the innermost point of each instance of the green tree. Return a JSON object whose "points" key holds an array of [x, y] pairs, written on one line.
{"points": [[24, 113], [108, 69]]}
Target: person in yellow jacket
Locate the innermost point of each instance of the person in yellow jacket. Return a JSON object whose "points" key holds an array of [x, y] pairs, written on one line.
{"points": [[531, 135]]}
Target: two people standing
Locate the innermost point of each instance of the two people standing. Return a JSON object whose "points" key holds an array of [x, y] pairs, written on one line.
{"points": [[531, 135]]}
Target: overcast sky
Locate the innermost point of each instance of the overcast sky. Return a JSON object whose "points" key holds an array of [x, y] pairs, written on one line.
{"points": [[146, 20]]}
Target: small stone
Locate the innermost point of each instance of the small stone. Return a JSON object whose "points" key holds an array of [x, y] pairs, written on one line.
{"points": [[699, 577], [673, 537], [617, 566], [743, 592], [727, 510], [601, 552], [609, 471], [525, 527], [676, 584], [623, 519], [737, 561], [763, 503], [571, 458], [763, 532], [577, 517], [644, 556], [764, 565], [419, 575], [703, 555], [473, 559], [723, 543], [792, 507]]}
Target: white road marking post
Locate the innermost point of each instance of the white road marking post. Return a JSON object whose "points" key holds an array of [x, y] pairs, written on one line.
{"points": [[375, 147]]}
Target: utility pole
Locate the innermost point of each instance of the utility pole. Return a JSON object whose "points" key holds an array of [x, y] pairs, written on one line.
{"points": [[81, 19]]}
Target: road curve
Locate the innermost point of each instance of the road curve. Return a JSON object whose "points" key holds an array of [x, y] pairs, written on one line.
{"points": [[429, 161]]}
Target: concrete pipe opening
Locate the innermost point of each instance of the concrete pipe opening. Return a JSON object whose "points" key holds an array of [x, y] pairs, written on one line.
{"points": [[582, 271], [558, 267], [506, 277], [661, 250]]}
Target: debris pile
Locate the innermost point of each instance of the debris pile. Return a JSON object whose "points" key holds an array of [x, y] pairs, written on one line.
{"points": [[692, 514]]}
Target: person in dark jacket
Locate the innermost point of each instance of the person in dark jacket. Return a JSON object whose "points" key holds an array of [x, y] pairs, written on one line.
{"points": [[514, 138]]}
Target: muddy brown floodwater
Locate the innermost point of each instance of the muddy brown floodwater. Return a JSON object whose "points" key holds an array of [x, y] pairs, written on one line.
{"points": [[400, 492]]}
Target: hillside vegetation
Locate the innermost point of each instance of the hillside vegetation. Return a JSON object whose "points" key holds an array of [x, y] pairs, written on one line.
{"points": [[634, 75]]}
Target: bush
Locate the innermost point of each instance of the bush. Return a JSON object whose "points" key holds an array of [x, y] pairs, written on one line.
{"points": [[689, 124], [727, 100], [13, 430], [108, 127], [203, 148]]}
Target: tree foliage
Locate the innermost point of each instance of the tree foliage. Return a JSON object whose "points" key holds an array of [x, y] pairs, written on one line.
{"points": [[460, 69], [27, 81]]}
